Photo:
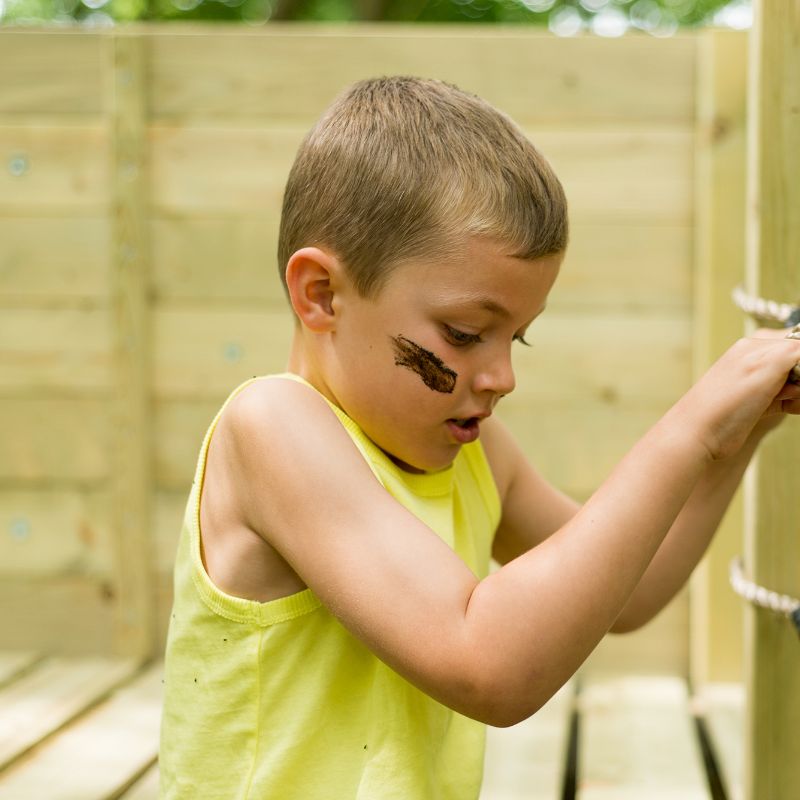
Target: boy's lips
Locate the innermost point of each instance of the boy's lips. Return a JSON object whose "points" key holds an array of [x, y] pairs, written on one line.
{"points": [[466, 429]]}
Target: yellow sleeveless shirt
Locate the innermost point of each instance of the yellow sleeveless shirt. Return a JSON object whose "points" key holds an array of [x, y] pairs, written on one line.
{"points": [[277, 701]]}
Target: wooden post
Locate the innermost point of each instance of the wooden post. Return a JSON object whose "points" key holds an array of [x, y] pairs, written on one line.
{"points": [[715, 612], [772, 554], [131, 446]]}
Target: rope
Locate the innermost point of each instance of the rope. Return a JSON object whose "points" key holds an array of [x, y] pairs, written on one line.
{"points": [[771, 312], [783, 604], [766, 311]]}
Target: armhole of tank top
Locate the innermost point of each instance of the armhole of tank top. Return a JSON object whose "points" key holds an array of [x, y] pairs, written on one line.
{"points": [[237, 609]]}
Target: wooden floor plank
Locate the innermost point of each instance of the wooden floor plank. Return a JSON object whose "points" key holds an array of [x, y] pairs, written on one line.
{"points": [[146, 788], [722, 706], [98, 756], [52, 694], [526, 761], [13, 664], [637, 739]]}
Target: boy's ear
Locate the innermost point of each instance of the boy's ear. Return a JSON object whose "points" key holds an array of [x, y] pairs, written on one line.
{"points": [[311, 276]]}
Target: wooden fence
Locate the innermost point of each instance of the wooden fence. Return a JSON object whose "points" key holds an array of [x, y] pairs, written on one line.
{"points": [[141, 173]]}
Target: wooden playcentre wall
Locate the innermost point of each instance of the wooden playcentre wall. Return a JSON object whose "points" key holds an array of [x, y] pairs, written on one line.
{"points": [[141, 174]]}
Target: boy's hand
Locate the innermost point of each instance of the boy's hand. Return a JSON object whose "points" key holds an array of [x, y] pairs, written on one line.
{"points": [[744, 392]]}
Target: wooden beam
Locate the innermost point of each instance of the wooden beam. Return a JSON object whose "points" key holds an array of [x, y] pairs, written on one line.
{"points": [[716, 652], [130, 437], [772, 748]]}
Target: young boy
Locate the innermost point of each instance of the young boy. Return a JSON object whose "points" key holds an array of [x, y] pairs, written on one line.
{"points": [[336, 633]]}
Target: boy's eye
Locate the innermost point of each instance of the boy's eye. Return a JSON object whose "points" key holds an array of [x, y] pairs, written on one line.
{"points": [[521, 339], [458, 337]]}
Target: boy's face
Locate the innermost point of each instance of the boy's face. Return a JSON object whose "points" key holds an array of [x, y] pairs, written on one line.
{"points": [[420, 365]]}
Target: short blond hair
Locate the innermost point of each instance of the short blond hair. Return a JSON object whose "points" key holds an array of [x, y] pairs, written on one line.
{"points": [[402, 168]]}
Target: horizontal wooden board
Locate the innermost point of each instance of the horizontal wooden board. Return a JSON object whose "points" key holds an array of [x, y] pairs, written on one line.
{"points": [[601, 169], [637, 740], [48, 72], [48, 438], [44, 348], [178, 430], [527, 760], [51, 695], [202, 352], [68, 614], [50, 531], [66, 170], [614, 360], [146, 788], [577, 447], [54, 261], [216, 259], [14, 663], [658, 648], [586, 78], [99, 755], [611, 266], [626, 268]]}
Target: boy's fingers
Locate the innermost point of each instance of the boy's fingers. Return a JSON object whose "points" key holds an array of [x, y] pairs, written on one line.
{"points": [[791, 406]]}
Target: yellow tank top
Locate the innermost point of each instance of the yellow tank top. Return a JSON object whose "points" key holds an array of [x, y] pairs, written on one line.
{"points": [[277, 701]]}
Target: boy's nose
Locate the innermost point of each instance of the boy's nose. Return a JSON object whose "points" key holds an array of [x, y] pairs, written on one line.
{"points": [[497, 377]]}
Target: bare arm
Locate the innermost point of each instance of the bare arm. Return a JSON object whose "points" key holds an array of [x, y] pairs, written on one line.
{"points": [[495, 649]]}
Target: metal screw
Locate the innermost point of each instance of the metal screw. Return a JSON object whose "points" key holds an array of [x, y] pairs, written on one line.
{"points": [[18, 165], [233, 352], [20, 528]]}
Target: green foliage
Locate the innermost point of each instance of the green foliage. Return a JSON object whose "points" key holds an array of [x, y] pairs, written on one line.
{"points": [[652, 15]]}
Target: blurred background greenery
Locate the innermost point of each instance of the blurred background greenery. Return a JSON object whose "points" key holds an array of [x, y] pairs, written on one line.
{"points": [[563, 17]]}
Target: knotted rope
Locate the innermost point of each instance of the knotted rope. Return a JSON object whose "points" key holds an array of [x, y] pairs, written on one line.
{"points": [[766, 312], [786, 315], [783, 604]]}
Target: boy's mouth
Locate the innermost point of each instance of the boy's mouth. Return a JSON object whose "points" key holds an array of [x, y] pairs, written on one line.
{"points": [[464, 430]]}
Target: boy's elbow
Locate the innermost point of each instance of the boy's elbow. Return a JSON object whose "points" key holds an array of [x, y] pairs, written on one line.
{"points": [[493, 700]]}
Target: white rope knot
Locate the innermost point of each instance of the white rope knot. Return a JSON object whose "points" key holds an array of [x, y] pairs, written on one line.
{"points": [[766, 312], [782, 604]]}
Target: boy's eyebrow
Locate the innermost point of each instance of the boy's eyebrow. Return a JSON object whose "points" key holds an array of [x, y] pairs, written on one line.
{"points": [[491, 305]]}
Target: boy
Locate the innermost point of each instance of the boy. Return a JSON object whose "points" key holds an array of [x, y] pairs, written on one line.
{"points": [[336, 633]]}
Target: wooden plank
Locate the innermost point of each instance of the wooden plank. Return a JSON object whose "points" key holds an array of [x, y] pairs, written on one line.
{"points": [[619, 266], [230, 259], [54, 438], [660, 647], [68, 614], [615, 359], [99, 755], [52, 531], [34, 271], [50, 696], [207, 352], [52, 73], [722, 706], [57, 169], [45, 349], [772, 546], [217, 259], [636, 739], [179, 427], [131, 446], [14, 663], [527, 760], [717, 621], [246, 168], [585, 78], [146, 788]]}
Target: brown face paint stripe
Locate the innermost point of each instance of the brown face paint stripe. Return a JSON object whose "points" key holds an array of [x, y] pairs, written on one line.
{"points": [[433, 371]]}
